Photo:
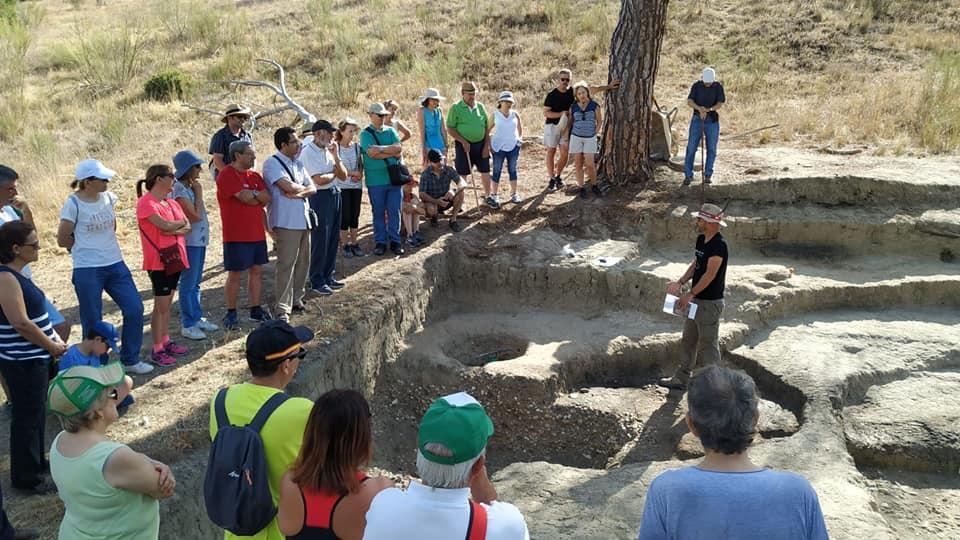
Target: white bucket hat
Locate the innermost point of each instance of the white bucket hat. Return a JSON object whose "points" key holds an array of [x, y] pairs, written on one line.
{"points": [[506, 95], [430, 93]]}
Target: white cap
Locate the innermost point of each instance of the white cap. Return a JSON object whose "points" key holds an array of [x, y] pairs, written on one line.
{"points": [[709, 75], [92, 168]]}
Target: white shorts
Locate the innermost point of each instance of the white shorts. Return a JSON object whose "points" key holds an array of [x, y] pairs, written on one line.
{"points": [[583, 145], [554, 136]]}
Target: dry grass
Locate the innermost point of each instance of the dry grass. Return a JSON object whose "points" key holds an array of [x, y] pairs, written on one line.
{"points": [[829, 71]]}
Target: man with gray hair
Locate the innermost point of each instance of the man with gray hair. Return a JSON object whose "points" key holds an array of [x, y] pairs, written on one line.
{"points": [[726, 495], [454, 498]]}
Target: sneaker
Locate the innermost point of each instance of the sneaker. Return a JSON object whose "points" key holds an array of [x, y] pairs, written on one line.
{"points": [[162, 359], [230, 321], [323, 290], [552, 186], [396, 248], [434, 221], [379, 249], [194, 333], [596, 190], [357, 252], [706, 180], [515, 198], [140, 368], [258, 314], [419, 237], [672, 383], [347, 251], [335, 285], [174, 349], [688, 180], [414, 242], [493, 202], [583, 193], [299, 308], [207, 326], [455, 226], [558, 181]]}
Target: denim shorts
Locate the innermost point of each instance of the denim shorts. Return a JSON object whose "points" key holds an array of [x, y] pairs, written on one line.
{"points": [[241, 256]]}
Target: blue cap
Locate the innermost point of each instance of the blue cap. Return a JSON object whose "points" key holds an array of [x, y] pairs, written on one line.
{"points": [[108, 332], [184, 161]]}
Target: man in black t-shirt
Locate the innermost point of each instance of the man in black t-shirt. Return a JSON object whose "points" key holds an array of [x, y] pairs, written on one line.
{"points": [[556, 110], [708, 274], [706, 97]]}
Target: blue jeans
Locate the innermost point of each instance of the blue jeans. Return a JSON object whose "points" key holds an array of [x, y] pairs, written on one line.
{"points": [[511, 156], [325, 238], [385, 201], [697, 129], [90, 283], [190, 310]]}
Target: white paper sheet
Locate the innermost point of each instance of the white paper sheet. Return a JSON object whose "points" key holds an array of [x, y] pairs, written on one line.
{"points": [[670, 306]]}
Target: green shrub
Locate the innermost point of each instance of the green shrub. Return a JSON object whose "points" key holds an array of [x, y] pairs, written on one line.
{"points": [[108, 61], [168, 85]]}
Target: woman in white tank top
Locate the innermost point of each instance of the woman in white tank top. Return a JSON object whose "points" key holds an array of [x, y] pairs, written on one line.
{"points": [[505, 143]]}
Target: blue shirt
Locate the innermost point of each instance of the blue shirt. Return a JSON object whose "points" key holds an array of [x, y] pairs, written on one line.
{"points": [[432, 136], [199, 235], [692, 503], [221, 140], [584, 120], [284, 212], [74, 357]]}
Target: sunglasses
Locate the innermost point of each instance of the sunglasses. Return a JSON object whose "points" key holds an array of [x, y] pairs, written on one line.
{"points": [[564, 79], [34, 245], [114, 395], [383, 115]]}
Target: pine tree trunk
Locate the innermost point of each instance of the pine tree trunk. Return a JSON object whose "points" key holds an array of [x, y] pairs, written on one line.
{"points": [[634, 59]]}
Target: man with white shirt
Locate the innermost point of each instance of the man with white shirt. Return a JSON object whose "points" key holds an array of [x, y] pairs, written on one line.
{"points": [[288, 216], [454, 498], [324, 168]]}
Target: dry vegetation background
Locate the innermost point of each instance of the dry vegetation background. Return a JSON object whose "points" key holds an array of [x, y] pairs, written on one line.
{"points": [[883, 73]]}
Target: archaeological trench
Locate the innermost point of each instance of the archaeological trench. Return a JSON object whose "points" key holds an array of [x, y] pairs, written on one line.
{"points": [[842, 302]]}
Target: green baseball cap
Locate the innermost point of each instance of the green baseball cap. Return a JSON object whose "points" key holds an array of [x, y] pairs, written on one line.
{"points": [[459, 423], [74, 390]]}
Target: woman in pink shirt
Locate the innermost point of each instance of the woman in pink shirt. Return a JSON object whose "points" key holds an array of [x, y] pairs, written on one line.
{"points": [[162, 224]]}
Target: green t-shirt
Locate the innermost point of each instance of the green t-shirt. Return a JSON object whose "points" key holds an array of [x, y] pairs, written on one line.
{"points": [[470, 123], [375, 170], [282, 436]]}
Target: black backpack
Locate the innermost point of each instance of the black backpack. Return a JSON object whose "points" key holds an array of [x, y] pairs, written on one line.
{"points": [[236, 488]]}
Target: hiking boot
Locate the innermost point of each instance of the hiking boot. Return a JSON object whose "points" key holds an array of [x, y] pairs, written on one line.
{"points": [[230, 321], [455, 226], [258, 314], [583, 193], [396, 248], [174, 349], [194, 333], [347, 251], [140, 368], [379, 249], [163, 359], [687, 180], [596, 190], [357, 252], [673, 383], [706, 180], [207, 326]]}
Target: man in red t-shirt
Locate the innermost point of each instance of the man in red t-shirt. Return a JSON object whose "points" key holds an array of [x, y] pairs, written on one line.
{"points": [[242, 195]]}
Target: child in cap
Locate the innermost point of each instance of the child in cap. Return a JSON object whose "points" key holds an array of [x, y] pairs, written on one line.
{"points": [[411, 212], [93, 352]]}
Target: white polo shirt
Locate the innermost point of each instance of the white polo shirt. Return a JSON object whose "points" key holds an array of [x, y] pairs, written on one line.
{"points": [[318, 161], [434, 513]]}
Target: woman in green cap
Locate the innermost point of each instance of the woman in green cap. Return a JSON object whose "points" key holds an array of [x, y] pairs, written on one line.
{"points": [[108, 490]]}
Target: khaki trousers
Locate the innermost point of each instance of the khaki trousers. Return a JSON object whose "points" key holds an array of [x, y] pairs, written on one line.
{"points": [[701, 336], [293, 263]]}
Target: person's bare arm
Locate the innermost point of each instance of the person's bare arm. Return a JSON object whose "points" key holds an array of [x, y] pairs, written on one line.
{"points": [[674, 286], [26, 214], [290, 509], [420, 128], [402, 130], [519, 126], [11, 301], [189, 210], [218, 162], [129, 470], [713, 266], [383, 152], [599, 118], [289, 189], [339, 169], [701, 110], [168, 227], [549, 114], [459, 138], [323, 179], [614, 84], [65, 238]]}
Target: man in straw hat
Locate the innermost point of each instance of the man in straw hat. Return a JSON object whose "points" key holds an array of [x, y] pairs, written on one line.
{"points": [[454, 498], [469, 124], [234, 118], [707, 273]]}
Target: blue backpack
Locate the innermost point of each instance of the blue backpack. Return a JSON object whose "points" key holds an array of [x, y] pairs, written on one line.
{"points": [[236, 488]]}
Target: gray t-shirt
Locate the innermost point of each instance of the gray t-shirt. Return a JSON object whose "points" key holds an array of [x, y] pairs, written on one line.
{"points": [[762, 505]]}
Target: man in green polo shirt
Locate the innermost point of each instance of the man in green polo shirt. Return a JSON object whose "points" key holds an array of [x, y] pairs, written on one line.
{"points": [[468, 124]]}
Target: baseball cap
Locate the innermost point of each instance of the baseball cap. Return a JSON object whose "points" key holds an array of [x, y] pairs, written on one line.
{"points": [[323, 125], [275, 341], [7, 174], [378, 109], [92, 168], [711, 213], [459, 423], [434, 156], [709, 75], [76, 389], [108, 332]]}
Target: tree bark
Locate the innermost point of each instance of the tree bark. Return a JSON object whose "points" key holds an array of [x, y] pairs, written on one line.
{"points": [[634, 59]]}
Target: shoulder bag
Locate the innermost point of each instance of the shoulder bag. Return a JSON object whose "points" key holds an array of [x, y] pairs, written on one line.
{"points": [[399, 174]]}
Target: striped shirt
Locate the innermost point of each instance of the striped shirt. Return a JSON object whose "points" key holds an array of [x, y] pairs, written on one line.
{"points": [[13, 346]]}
